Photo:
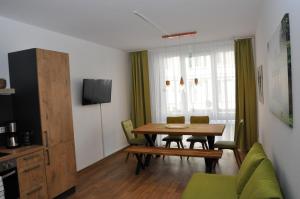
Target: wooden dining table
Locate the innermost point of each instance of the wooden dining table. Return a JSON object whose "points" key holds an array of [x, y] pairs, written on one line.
{"points": [[151, 130]]}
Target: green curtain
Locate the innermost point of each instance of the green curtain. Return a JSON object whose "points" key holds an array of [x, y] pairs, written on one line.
{"points": [[245, 93], [141, 111]]}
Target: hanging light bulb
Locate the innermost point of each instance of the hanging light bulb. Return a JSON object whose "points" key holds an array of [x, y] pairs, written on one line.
{"points": [[196, 81], [168, 83], [181, 81]]}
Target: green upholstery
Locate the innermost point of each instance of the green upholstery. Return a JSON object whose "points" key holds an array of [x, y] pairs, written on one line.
{"points": [[210, 186], [254, 157], [231, 144], [255, 180], [198, 120], [131, 138], [174, 120], [225, 145], [263, 183]]}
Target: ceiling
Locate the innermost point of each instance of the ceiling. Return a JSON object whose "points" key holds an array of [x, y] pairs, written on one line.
{"points": [[112, 22]]}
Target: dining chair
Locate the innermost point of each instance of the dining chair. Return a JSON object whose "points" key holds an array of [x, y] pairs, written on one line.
{"points": [[232, 145], [132, 139], [174, 138], [200, 139]]}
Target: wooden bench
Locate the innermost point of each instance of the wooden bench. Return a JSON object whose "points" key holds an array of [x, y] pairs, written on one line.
{"points": [[211, 156]]}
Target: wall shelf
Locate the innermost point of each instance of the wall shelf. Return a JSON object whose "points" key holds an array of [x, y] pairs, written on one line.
{"points": [[7, 91]]}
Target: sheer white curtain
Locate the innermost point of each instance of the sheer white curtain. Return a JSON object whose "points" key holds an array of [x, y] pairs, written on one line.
{"points": [[212, 64]]}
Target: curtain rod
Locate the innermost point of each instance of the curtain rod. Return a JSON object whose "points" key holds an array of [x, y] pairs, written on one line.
{"points": [[244, 37]]}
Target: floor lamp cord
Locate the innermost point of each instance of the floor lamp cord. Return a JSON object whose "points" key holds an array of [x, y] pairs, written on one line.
{"points": [[102, 132]]}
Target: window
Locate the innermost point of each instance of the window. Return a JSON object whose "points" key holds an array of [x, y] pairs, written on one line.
{"points": [[214, 94]]}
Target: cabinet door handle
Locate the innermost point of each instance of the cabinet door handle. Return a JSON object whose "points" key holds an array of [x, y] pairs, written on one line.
{"points": [[46, 135], [34, 190], [31, 157], [48, 157], [32, 168]]}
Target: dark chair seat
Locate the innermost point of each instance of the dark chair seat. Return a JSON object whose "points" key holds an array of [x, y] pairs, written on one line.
{"points": [[197, 139], [172, 138], [225, 145]]}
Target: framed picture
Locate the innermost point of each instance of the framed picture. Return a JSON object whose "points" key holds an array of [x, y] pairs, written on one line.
{"points": [[260, 84], [280, 73]]}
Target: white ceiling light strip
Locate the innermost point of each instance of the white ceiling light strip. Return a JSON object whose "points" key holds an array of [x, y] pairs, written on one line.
{"points": [[147, 20]]}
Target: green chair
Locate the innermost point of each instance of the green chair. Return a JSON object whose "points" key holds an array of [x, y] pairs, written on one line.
{"points": [[232, 145], [256, 179], [132, 139], [174, 138], [201, 139]]}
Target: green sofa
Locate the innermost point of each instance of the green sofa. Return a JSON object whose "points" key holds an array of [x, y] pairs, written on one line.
{"points": [[256, 179]]}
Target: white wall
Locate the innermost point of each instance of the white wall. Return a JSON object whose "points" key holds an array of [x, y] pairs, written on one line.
{"points": [[87, 60], [281, 142]]}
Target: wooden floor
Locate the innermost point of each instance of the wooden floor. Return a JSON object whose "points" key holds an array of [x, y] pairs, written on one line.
{"points": [[115, 178]]}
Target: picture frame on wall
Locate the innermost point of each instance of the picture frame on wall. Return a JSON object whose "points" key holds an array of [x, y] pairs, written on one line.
{"points": [[280, 72], [260, 84]]}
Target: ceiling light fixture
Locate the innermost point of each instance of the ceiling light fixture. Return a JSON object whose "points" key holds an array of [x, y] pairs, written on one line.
{"points": [[147, 20], [180, 34]]}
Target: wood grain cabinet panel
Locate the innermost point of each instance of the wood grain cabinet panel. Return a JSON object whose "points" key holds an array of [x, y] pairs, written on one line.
{"points": [[43, 104], [37, 192], [56, 120], [32, 176]]}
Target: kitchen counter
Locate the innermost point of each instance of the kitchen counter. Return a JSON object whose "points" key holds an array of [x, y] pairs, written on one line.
{"points": [[20, 151]]}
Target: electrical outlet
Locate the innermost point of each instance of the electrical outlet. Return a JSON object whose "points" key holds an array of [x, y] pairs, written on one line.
{"points": [[2, 129]]}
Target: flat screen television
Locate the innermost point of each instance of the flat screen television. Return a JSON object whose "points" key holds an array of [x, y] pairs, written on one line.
{"points": [[96, 91]]}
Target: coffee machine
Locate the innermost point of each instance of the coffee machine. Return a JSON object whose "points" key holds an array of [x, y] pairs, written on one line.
{"points": [[11, 135]]}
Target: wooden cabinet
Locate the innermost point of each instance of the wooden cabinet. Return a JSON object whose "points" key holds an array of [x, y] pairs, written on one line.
{"points": [[43, 104], [32, 176]]}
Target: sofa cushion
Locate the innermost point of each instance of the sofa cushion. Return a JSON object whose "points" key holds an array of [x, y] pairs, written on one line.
{"points": [[210, 186], [263, 183], [254, 157]]}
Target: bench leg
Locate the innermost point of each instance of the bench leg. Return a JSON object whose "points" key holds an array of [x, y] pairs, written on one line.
{"points": [[208, 165], [237, 157], [139, 164], [127, 157]]}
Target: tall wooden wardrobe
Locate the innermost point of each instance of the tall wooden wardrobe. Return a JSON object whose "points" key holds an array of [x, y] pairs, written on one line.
{"points": [[42, 104]]}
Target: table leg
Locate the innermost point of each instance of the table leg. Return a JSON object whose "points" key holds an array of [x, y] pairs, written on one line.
{"points": [[139, 164], [208, 165], [211, 142], [151, 141], [208, 161]]}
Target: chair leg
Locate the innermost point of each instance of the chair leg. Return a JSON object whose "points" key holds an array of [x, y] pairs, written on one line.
{"points": [[191, 147], [237, 157], [127, 156], [167, 146], [181, 144], [205, 144], [178, 145]]}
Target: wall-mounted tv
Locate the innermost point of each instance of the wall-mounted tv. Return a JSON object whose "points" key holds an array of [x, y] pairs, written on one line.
{"points": [[96, 91]]}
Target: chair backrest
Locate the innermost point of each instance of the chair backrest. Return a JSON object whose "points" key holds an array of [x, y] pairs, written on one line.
{"points": [[263, 183], [176, 120], [253, 158], [127, 128], [199, 120], [239, 131]]}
